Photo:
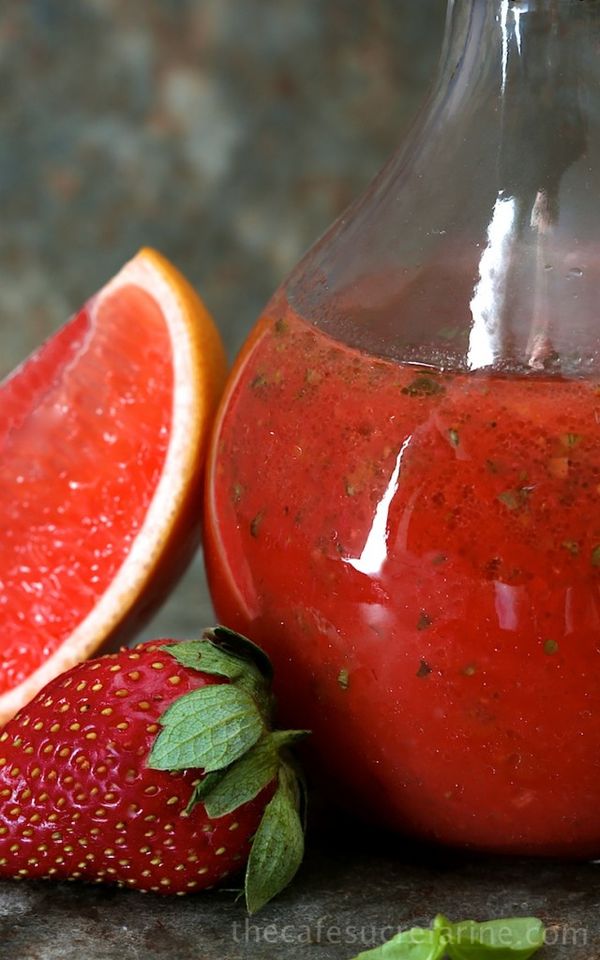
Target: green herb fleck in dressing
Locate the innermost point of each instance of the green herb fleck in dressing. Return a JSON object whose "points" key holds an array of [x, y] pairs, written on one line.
{"points": [[423, 386]]}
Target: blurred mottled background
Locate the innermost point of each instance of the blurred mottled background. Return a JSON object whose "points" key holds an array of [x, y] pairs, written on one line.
{"points": [[227, 133]]}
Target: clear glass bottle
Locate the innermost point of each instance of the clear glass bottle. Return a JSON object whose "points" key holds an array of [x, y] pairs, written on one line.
{"points": [[403, 498]]}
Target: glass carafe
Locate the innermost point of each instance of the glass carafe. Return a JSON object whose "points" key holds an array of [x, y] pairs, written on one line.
{"points": [[404, 489]]}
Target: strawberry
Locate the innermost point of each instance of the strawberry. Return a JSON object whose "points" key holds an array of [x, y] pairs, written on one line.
{"points": [[154, 768]]}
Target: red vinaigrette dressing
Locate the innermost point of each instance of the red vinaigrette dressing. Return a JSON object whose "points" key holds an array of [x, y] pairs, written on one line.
{"points": [[429, 545]]}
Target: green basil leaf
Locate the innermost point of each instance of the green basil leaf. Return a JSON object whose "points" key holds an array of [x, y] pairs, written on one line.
{"points": [[209, 728], [278, 845], [513, 938], [415, 944], [508, 939]]}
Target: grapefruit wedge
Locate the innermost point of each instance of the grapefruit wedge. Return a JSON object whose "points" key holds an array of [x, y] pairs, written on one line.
{"points": [[102, 440]]}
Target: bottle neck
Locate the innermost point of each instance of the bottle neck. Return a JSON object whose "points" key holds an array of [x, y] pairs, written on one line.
{"points": [[501, 32], [534, 65], [478, 246]]}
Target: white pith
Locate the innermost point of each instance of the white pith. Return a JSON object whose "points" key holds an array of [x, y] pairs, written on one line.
{"points": [[181, 454]]}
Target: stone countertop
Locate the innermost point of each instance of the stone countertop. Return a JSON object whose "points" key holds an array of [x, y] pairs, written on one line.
{"points": [[348, 897]]}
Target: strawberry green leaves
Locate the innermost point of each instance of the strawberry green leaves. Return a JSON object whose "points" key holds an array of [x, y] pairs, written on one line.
{"points": [[515, 938], [278, 845], [208, 728], [224, 730], [204, 656], [244, 780], [223, 653], [212, 727], [235, 645]]}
